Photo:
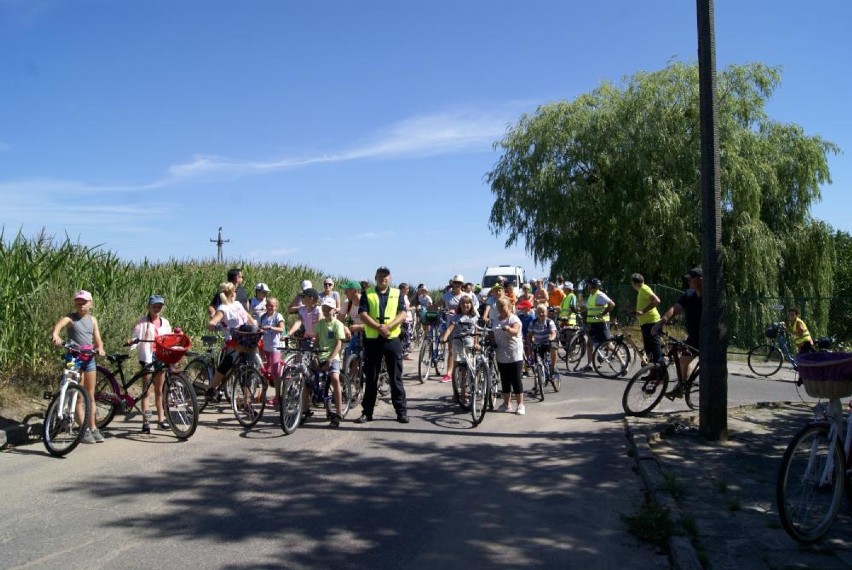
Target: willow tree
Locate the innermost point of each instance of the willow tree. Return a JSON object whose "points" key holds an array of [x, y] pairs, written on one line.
{"points": [[609, 183]]}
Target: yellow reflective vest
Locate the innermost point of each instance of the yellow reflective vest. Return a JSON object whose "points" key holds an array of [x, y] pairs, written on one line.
{"points": [[391, 309], [594, 313]]}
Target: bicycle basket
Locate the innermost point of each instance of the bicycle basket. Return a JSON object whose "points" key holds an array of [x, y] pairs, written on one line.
{"points": [[771, 330], [170, 348], [824, 342], [431, 317], [247, 341], [826, 374]]}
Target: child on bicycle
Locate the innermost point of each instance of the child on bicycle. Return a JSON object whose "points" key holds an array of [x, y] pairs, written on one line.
{"points": [[462, 327], [82, 329], [148, 328], [271, 322], [329, 334], [230, 314], [799, 332], [542, 333]]}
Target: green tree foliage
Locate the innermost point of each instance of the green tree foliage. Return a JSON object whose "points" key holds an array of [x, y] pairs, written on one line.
{"points": [[609, 184], [841, 305]]}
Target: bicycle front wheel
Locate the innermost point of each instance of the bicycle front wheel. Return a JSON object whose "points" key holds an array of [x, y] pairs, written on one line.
{"points": [[692, 390], [62, 431], [480, 386], [460, 386], [345, 396], [424, 361], [765, 359], [810, 484], [181, 405], [290, 404], [645, 390], [199, 376], [352, 371], [248, 396], [538, 379], [576, 350], [611, 358]]}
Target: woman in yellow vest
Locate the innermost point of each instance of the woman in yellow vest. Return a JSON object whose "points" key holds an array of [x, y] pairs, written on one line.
{"points": [[598, 308], [799, 331]]}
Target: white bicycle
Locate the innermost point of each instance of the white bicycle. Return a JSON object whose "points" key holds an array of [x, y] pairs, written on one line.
{"points": [[66, 417]]}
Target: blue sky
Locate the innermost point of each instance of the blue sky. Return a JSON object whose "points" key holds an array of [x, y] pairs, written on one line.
{"points": [[344, 135]]}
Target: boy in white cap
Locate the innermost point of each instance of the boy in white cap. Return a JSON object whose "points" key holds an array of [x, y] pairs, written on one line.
{"points": [[257, 304]]}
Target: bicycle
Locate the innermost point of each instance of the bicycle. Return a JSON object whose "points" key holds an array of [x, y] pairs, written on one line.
{"points": [[766, 359], [246, 384], [65, 421], [181, 405], [199, 371], [472, 382], [543, 373], [353, 367], [814, 473], [648, 386], [433, 353], [305, 372]]}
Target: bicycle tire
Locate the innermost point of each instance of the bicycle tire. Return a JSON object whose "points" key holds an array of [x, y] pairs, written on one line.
{"points": [[328, 396], [692, 391], [806, 508], [424, 362], [382, 384], [479, 400], [459, 377], [576, 350], [199, 374], [440, 361], [61, 432], [181, 404], [611, 358], [563, 339], [537, 393], [290, 403], [352, 371], [645, 390], [765, 360], [496, 389], [248, 396], [555, 381], [107, 397]]}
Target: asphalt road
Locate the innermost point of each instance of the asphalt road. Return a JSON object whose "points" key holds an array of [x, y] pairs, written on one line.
{"points": [[543, 490]]}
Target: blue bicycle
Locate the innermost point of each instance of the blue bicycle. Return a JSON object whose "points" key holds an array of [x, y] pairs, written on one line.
{"points": [[766, 359], [433, 353]]}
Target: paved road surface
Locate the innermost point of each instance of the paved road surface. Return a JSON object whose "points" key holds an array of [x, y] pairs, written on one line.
{"points": [[544, 490]]}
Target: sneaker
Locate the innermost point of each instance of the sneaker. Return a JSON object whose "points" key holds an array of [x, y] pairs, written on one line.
{"points": [[586, 368], [165, 425], [88, 437], [146, 427], [676, 393], [272, 402], [96, 433], [445, 378], [533, 393], [335, 420], [503, 408], [521, 410], [210, 394]]}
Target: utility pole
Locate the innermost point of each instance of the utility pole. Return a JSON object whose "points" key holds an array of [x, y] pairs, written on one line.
{"points": [[713, 404], [219, 241]]}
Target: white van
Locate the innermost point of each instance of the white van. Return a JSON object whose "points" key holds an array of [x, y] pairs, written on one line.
{"points": [[514, 274]]}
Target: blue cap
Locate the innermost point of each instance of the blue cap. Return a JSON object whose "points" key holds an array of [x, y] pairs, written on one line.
{"points": [[156, 300]]}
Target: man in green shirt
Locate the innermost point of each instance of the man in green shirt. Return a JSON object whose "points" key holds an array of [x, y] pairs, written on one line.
{"points": [[330, 334], [647, 316]]}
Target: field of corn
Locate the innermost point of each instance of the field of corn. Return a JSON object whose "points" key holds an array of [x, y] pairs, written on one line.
{"points": [[39, 276]]}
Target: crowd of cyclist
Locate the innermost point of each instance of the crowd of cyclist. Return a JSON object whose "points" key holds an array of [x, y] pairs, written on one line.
{"points": [[520, 318]]}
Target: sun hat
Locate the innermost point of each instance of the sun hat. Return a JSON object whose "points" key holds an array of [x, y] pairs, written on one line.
{"points": [[458, 277], [329, 302], [261, 287], [83, 294], [306, 285], [156, 300]]}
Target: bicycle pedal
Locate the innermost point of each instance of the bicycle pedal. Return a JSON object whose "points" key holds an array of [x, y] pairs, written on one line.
{"points": [[47, 395]]}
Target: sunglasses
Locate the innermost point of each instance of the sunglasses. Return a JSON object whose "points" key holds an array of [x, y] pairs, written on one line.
{"points": [[328, 284], [458, 283]]}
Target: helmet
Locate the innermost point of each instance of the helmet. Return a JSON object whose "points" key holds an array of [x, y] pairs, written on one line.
{"points": [[594, 282]]}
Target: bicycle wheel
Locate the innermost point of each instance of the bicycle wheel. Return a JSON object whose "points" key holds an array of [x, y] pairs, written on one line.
{"points": [[440, 358], [562, 342], [645, 390], [354, 379], [537, 393], [107, 398], [480, 386], [199, 376], [765, 359], [345, 396], [424, 361], [692, 391], [495, 391], [290, 404], [61, 432], [810, 485], [554, 380], [181, 404], [611, 358], [460, 386], [576, 350], [248, 396]]}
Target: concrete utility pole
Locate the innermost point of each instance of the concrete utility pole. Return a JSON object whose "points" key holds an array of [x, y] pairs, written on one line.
{"points": [[713, 404], [219, 241]]}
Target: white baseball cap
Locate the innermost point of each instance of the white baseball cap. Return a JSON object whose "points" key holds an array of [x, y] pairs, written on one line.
{"points": [[306, 285], [261, 287], [458, 277], [568, 285], [329, 302]]}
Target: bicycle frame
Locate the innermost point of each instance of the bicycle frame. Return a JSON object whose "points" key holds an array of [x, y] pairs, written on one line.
{"points": [[125, 400]]}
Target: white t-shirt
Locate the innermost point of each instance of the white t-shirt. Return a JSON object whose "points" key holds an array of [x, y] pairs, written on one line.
{"points": [[257, 307], [234, 315], [271, 339], [145, 330], [510, 347]]}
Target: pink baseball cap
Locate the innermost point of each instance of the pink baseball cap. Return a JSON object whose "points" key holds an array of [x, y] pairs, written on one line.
{"points": [[83, 294]]}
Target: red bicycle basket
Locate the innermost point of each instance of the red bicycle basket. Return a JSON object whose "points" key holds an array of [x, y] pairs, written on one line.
{"points": [[170, 348]]}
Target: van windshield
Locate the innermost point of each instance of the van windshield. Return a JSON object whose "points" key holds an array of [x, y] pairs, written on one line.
{"points": [[490, 280]]}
